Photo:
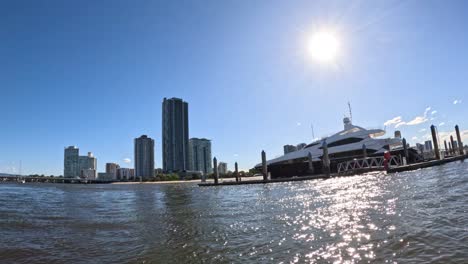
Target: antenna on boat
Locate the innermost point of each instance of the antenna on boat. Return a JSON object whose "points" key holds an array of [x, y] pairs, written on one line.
{"points": [[312, 128], [350, 111]]}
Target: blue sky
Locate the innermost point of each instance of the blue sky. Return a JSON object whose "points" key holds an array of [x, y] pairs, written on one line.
{"points": [[94, 73]]}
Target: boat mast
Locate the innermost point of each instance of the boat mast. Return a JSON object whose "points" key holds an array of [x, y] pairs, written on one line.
{"points": [[350, 112], [312, 128]]}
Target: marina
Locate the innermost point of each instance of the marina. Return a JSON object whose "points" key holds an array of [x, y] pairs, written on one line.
{"points": [[352, 151]]}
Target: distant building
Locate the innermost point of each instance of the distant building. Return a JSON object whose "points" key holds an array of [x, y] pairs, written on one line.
{"points": [[74, 164], [144, 157], [89, 174], [222, 168], [301, 146], [104, 176], [428, 146], [111, 170], [200, 155], [420, 147], [289, 148], [71, 162], [125, 174], [88, 163], [455, 145], [175, 135]]}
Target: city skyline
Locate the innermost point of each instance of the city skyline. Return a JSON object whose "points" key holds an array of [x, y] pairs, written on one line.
{"points": [[96, 81]]}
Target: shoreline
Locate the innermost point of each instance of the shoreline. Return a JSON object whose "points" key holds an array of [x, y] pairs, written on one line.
{"points": [[225, 180]]}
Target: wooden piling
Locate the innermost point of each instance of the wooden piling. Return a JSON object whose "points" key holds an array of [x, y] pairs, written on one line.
{"points": [[215, 170], [325, 159], [434, 141], [264, 166], [460, 143], [236, 171], [454, 150], [311, 164], [405, 150]]}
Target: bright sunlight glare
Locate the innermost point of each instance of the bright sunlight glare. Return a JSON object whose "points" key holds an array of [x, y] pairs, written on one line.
{"points": [[324, 46]]}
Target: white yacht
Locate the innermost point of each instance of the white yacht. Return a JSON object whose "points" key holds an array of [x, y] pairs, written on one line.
{"points": [[344, 145]]}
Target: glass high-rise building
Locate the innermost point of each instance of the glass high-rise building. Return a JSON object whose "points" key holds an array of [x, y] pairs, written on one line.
{"points": [[71, 166], [144, 157], [175, 135], [200, 155]]}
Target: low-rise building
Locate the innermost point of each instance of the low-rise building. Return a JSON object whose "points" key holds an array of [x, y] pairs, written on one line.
{"points": [[125, 174], [89, 174], [104, 176]]}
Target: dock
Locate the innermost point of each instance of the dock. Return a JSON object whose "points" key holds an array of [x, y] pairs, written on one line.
{"points": [[392, 169], [426, 164]]}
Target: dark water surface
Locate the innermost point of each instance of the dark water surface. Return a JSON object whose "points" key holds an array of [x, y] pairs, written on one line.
{"points": [[419, 216]]}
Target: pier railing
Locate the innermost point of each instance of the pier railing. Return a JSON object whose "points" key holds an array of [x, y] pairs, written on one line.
{"points": [[371, 163]]}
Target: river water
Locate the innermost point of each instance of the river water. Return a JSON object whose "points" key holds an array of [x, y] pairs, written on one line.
{"points": [[412, 217]]}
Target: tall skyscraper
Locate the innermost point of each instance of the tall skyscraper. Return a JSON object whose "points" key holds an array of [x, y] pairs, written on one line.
{"points": [[144, 157], [175, 132], [71, 162], [200, 155]]}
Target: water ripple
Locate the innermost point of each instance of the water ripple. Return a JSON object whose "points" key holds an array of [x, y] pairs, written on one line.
{"points": [[411, 217]]}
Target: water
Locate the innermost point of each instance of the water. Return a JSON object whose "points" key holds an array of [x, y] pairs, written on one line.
{"points": [[411, 217]]}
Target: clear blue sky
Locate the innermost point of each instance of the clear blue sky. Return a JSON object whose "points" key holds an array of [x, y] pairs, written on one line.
{"points": [[94, 73]]}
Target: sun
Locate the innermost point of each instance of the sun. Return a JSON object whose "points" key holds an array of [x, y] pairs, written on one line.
{"points": [[324, 46]]}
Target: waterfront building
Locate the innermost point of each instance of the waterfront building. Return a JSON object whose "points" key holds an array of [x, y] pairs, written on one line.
{"points": [[428, 146], [200, 155], [71, 162], [88, 163], [74, 164], [222, 168], [89, 174], [289, 148], [144, 157], [125, 174], [103, 176], [175, 133], [301, 146], [111, 170]]}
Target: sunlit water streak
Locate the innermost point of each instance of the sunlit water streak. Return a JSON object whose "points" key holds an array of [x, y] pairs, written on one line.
{"points": [[419, 216]]}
